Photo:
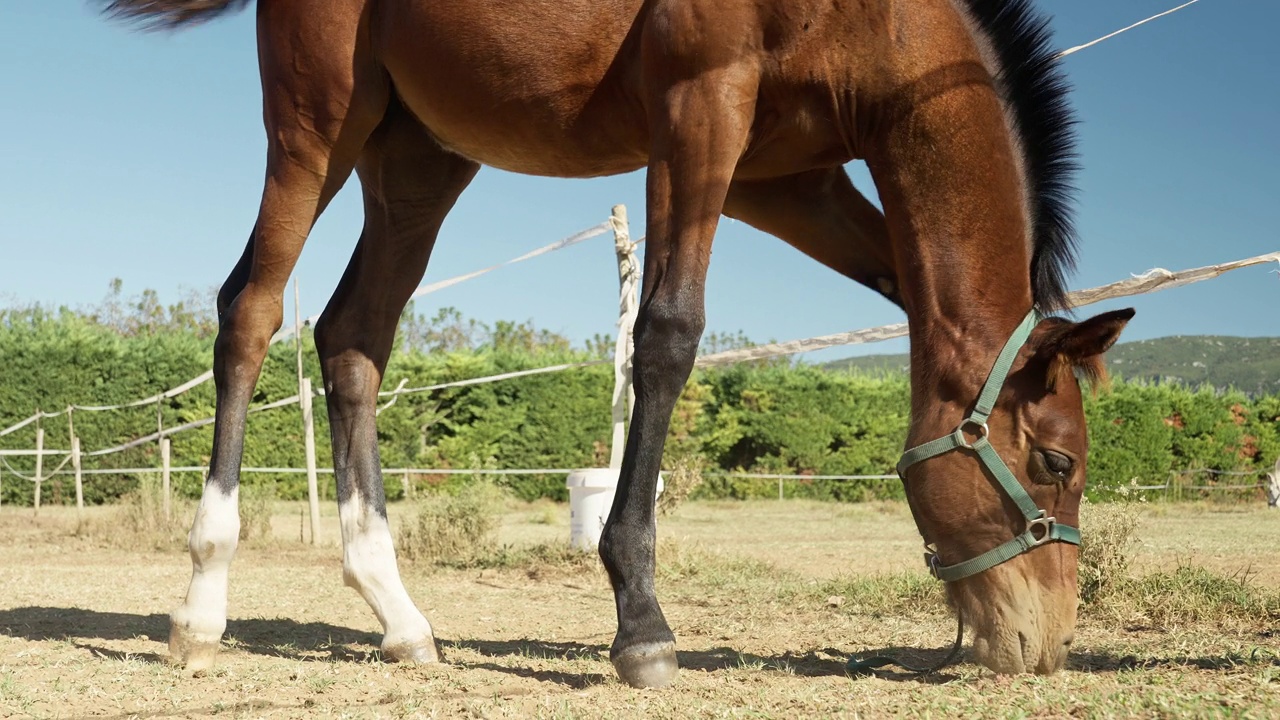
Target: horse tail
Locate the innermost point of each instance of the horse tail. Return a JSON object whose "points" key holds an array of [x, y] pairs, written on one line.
{"points": [[170, 14]]}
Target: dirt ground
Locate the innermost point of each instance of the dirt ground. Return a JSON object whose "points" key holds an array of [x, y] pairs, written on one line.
{"points": [[83, 626]]}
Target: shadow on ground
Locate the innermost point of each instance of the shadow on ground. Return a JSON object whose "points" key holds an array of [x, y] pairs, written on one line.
{"points": [[280, 637], [324, 642]]}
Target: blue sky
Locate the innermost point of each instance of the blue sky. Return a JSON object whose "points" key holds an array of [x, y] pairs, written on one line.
{"points": [[140, 156]]}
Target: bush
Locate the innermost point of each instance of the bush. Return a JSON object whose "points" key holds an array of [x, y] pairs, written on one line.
{"points": [[771, 417], [457, 530]]}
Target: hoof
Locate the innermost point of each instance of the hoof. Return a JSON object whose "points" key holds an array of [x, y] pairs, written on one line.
{"points": [[193, 651], [647, 666], [419, 652]]}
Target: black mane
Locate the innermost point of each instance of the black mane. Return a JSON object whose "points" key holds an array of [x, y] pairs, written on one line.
{"points": [[1035, 89]]}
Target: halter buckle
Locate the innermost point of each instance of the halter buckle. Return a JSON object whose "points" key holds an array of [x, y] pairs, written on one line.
{"points": [[931, 559], [981, 431], [1045, 530]]}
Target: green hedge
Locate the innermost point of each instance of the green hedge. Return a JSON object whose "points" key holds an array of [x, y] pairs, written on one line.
{"points": [[768, 417]]}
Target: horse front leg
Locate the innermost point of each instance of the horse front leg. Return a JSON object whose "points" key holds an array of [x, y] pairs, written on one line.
{"points": [[313, 141], [700, 129]]}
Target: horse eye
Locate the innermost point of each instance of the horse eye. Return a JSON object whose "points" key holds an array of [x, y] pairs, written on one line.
{"points": [[1057, 463]]}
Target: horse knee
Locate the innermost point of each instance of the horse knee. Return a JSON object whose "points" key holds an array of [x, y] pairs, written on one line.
{"points": [[666, 340]]}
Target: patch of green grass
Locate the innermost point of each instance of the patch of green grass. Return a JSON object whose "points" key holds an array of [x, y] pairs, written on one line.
{"points": [[540, 560]]}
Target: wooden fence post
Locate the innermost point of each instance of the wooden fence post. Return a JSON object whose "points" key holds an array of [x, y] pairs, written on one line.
{"points": [[39, 465], [75, 464], [165, 472], [628, 281], [309, 430], [408, 486]]}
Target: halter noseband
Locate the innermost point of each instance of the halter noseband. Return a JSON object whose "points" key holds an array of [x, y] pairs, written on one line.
{"points": [[1040, 527]]}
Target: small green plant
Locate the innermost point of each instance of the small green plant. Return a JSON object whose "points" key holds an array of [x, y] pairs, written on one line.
{"points": [[454, 529]]}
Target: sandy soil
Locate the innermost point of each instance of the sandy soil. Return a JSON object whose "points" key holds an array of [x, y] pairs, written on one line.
{"points": [[83, 627]]}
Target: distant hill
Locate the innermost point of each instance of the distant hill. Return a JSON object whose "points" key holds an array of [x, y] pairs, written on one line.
{"points": [[1248, 364]]}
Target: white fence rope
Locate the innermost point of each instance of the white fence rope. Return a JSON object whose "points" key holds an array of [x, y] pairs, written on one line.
{"points": [[288, 333], [574, 239], [394, 472], [1108, 36], [1148, 282]]}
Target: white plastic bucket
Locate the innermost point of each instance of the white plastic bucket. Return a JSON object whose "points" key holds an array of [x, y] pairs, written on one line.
{"points": [[591, 494]]}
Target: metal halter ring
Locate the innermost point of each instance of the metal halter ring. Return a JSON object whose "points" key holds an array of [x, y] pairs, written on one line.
{"points": [[983, 431], [1045, 525]]}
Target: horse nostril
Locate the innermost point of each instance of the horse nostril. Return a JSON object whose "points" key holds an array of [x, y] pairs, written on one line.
{"points": [[1022, 643], [1068, 640]]}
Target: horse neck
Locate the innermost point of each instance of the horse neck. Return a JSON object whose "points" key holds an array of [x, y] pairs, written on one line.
{"points": [[949, 174]]}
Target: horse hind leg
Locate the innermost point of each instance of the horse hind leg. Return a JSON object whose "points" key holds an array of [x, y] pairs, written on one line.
{"points": [[316, 126], [410, 185], [821, 214]]}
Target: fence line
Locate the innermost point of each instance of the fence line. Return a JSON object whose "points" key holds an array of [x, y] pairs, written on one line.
{"points": [[1108, 36], [780, 477], [1151, 281], [287, 333]]}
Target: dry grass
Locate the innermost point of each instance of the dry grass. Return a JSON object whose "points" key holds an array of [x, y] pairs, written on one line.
{"points": [[454, 529], [139, 520], [680, 483], [1186, 634], [1106, 549]]}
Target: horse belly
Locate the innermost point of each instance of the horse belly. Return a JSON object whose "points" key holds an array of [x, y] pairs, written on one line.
{"points": [[546, 93]]}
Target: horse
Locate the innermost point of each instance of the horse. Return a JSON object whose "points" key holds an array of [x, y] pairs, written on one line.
{"points": [[744, 108]]}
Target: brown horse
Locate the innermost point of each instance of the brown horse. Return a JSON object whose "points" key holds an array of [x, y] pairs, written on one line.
{"points": [[747, 108]]}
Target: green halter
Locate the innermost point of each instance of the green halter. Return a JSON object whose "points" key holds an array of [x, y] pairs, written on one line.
{"points": [[1040, 528]]}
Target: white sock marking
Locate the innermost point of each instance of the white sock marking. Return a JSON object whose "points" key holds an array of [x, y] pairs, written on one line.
{"points": [[212, 541], [369, 566]]}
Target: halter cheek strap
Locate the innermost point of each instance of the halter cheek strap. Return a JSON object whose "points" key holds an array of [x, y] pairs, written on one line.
{"points": [[1040, 528]]}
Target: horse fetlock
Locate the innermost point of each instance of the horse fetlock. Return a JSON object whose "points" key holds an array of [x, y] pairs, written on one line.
{"points": [[419, 650], [646, 665], [194, 640]]}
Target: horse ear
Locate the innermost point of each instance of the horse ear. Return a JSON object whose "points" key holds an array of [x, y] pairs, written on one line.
{"points": [[1079, 346]]}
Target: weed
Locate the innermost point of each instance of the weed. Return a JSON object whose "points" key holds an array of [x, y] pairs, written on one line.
{"points": [[902, 593], [680, 483], [1109, 534], [256, 505], [454, 529], [139, 519]]}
